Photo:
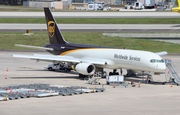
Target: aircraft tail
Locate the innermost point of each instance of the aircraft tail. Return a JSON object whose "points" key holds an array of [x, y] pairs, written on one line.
{"points": [[55, 36]]}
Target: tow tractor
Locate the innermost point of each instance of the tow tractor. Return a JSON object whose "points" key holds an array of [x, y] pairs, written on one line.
{"points": [[60, 66]]}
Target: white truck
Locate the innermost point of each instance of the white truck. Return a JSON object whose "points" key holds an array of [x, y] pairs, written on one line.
{"points": [[60, 66], [114, 79], [95, 6], [138, 6], [149, 4]]}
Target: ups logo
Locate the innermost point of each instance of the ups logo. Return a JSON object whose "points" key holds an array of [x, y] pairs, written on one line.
{"points": [[51, 28]]}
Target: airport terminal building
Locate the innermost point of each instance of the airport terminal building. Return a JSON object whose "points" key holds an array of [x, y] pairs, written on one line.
{"points": [[68, 4]]}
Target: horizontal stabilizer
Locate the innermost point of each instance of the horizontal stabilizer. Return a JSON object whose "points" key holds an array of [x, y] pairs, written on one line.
{"points": [[34, 47], [162, 53]]}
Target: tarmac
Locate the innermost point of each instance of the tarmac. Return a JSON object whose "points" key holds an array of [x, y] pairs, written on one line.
{"points": [[108, 27], [118, 14], [149, 99]]}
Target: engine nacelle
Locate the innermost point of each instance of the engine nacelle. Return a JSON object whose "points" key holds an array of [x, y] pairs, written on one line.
{"points": [[85, 68]]}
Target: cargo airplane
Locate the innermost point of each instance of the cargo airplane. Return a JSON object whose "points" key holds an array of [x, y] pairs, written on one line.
{"points": [[86, 59]]}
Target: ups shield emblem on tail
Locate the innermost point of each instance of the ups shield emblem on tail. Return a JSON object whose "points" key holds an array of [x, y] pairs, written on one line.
{"points": [[51, 28]]}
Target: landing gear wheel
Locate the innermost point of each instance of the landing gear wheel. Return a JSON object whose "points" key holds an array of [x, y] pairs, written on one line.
{"points": [[110, 73], [65, 70], [50, 69]]}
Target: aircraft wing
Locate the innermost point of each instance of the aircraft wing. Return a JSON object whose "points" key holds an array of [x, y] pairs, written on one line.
{"points": [[95, 61], [162, 53], [52, 58], [48, 58]]}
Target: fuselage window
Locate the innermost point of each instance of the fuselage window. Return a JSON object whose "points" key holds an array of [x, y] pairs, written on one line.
{"points": [[156, 61]]}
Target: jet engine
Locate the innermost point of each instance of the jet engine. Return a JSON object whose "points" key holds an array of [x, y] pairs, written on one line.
{"points": [[85, 68]]}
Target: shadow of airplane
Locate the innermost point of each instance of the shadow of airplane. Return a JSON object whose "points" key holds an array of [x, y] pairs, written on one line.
{"points": [[48, 77], [71, 72], [176, 26]]}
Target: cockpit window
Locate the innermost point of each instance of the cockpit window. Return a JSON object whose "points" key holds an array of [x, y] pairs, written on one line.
{"points": [[152, 60], [156, 61]]}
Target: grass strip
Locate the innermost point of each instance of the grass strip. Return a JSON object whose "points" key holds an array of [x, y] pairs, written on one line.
{"points": [[7, 41]]}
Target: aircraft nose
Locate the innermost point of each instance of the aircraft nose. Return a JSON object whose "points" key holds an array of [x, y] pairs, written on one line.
{"points": [[162, 67]]}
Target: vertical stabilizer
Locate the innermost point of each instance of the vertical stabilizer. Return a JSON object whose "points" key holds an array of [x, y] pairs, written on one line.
{"points": [[55, 36]]}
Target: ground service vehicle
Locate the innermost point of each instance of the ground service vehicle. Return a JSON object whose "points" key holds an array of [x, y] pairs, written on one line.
{"points": [[59, 66]]}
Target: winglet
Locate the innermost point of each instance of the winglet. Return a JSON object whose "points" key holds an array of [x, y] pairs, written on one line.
{"points": [[162, 53]]}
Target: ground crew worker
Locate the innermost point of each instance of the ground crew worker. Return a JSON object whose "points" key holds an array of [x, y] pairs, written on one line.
{"points": [[121, 71]]}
